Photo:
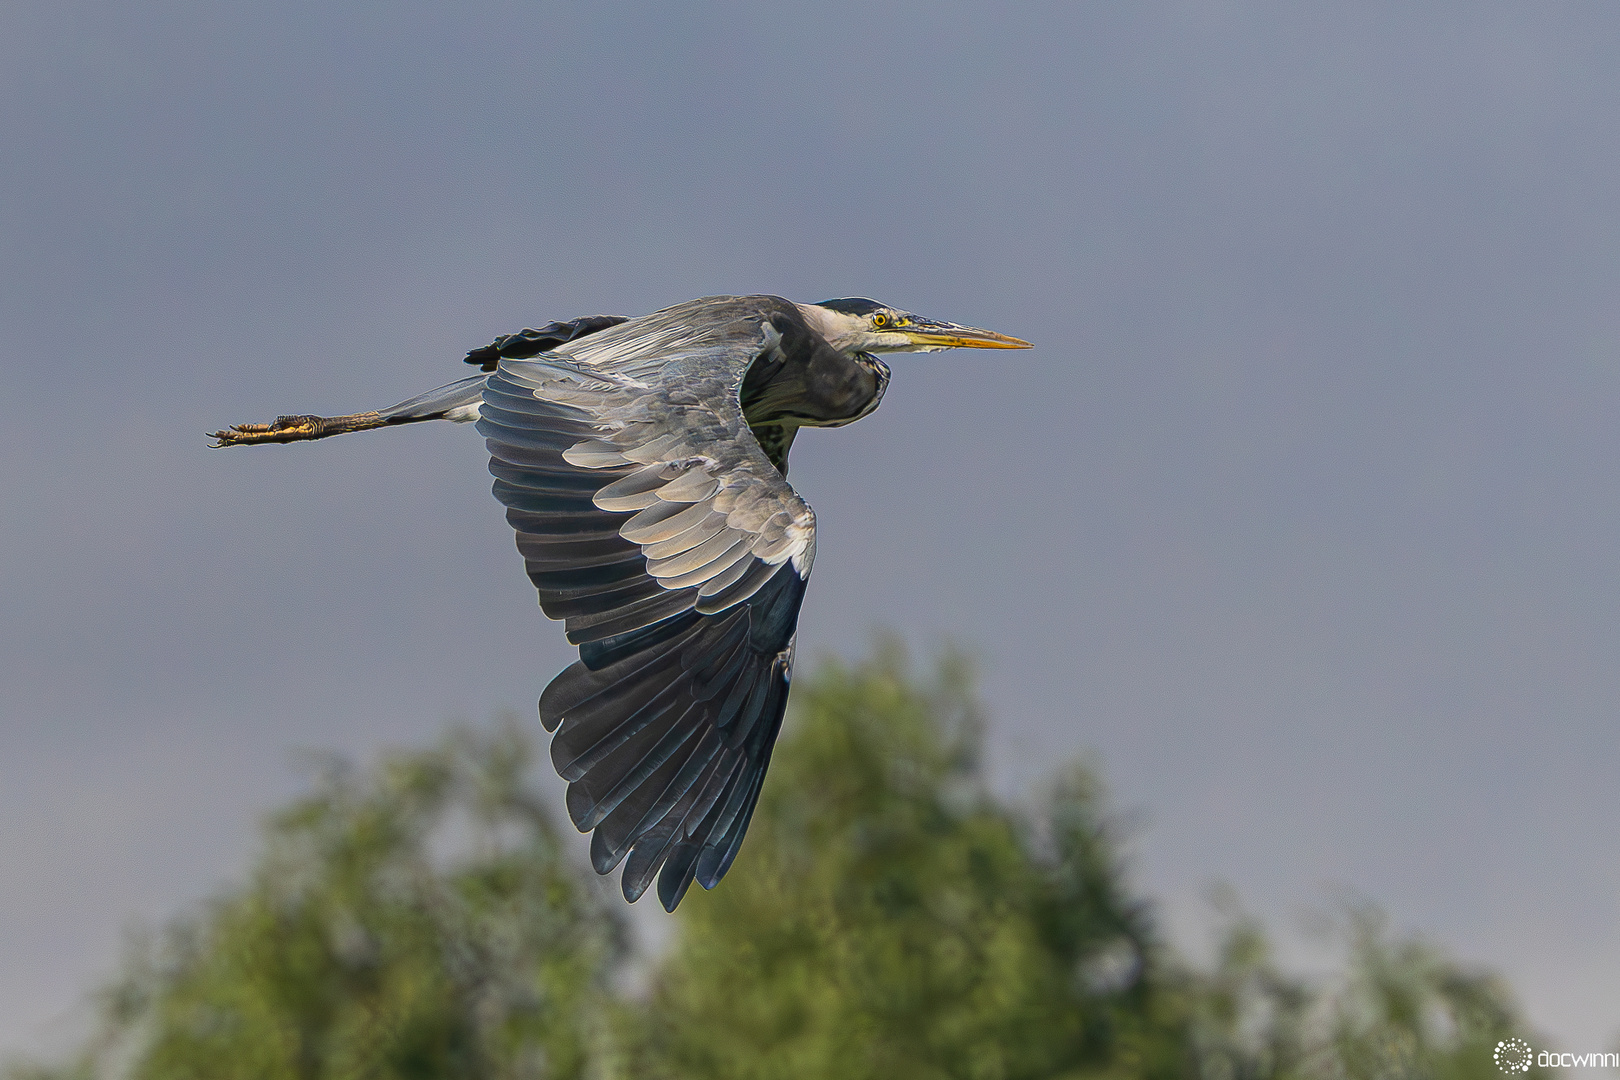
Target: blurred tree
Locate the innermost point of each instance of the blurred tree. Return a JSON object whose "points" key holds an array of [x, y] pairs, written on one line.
{"points": [[418, 922], [1406, 1009], [1400, 1010], [886, 918]]}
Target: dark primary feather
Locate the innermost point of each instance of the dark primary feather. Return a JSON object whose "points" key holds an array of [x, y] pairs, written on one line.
{"points": [[527, 343], [655, 524]]}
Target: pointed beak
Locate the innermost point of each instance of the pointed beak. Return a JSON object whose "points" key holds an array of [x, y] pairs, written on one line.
{"points": [[928, 334]]}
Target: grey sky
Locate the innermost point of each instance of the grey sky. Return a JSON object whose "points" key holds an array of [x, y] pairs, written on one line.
{"points": [[1302, 515]]}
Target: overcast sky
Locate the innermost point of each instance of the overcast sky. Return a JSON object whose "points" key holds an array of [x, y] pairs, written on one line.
{"points": [[1301, 517]]}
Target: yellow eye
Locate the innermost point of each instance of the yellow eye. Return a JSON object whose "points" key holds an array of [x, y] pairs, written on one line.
{"points": [[880, 320]]}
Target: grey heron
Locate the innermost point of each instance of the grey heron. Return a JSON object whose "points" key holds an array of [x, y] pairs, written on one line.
{"points": [[643, 463]]}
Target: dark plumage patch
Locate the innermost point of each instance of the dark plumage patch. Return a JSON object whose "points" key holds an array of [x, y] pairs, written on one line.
{"points": [[527, 343], [776, 440], [666, 743], [852, 305]]}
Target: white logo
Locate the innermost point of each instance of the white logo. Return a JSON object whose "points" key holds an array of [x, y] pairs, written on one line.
{"points": [[1513, 1056]]}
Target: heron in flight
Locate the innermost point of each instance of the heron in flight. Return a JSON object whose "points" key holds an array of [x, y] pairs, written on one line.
{"points": [[643, 463]]}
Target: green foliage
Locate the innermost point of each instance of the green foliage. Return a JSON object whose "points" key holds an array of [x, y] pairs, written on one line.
{"points": [[420, 922], [887, 917], [1408, 1010], [1401, 1010]]}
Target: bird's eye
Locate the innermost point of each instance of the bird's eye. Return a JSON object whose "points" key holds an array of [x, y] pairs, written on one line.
{"points": [[880, 319]]}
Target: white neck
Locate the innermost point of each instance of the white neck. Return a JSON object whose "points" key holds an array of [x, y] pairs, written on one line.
{"points": [[846, 333]]}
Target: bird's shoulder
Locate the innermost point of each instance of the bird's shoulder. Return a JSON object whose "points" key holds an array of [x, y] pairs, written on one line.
{"points": [[719, 335]]}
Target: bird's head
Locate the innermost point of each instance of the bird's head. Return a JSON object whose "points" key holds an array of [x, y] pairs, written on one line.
{"points": [[856, 324]]}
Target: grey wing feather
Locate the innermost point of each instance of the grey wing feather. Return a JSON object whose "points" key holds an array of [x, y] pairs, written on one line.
{"points": [[458, 401], [656, 527]]}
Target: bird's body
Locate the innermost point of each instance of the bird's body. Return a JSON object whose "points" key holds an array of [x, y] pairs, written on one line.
{"points": [[643, 464]]}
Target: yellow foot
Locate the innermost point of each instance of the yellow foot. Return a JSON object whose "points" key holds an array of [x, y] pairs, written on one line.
{"points": [[285, 429], [295, 429]]}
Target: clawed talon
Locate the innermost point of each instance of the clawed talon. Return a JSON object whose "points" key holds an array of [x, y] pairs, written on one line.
{"points": [[285, 429], [297, 429]]}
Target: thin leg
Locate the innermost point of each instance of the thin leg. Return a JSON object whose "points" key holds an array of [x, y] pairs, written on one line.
{"points": [[297, 429]]}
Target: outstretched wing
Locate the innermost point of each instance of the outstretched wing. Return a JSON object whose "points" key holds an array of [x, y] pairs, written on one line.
{"points": [[656, 527]]}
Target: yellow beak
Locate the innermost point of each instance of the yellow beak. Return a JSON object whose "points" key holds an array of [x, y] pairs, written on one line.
{"points": [[944, 335]]}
